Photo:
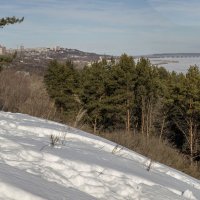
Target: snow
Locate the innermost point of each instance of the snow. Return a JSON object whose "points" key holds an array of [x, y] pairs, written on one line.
{"points": [[180, 65], [80, 167]]}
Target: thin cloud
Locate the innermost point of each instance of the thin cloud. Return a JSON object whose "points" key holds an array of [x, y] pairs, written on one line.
{"points": [[102, 12], [181, 12]]}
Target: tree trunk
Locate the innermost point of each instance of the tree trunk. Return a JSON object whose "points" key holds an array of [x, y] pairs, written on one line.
{"points": [[162, 128], [142, 117], [128, 118], [79, 116], [95, 126], [147, 124], [150, 118], [191, 134], [191, 140]]}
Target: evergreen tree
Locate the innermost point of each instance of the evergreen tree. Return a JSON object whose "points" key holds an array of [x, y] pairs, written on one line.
{"points": [[10, 20], [120, 93], [93, 93], [185, 109], [148, 90], [62, 82], [5, 59]]}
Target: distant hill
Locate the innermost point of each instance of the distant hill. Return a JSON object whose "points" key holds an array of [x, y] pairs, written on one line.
{"points": [[38, 58]]}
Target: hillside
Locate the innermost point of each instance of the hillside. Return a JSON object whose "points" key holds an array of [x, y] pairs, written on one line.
{"points": [[39, 58], [80, 166]]}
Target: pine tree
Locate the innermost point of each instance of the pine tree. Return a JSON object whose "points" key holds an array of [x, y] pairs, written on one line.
{"points": [[93, 93], [148, 89], [62, 82], [185, 109], [10, 20], [120, 93]]}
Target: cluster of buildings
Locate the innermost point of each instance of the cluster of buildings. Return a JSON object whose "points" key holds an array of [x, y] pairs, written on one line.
{"points": [[40, 56], [2, 50]]}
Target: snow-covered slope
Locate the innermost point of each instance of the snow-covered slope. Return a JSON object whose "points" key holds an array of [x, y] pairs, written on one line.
{"points": [[81, 167]]}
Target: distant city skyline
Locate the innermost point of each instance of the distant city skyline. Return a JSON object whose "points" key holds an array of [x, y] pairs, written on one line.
{"points": [[136, 27]]}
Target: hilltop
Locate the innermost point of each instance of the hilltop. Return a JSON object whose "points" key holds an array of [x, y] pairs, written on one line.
{"points": [[41, 56]]}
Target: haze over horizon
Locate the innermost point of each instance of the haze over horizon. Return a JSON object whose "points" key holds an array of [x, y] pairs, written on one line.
{"points": [[136, 27]]}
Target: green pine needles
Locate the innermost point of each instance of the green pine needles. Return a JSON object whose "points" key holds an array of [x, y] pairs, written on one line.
{"points": [[137, 98], [10, 20]]}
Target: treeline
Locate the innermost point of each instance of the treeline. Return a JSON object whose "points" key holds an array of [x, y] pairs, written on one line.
{"points": [[132, 97]]}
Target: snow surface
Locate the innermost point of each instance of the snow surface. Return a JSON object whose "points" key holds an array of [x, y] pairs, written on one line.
{"points": [[176, 64], [80, 167]]}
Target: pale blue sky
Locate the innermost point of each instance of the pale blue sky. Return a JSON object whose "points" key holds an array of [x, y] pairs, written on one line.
{"points": [[105, 26]]}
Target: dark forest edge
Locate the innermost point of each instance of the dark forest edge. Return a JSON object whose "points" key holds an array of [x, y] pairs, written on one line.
{"points": [[137, 98]]}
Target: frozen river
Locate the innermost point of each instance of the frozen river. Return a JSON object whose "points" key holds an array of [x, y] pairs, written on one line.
{"points": [[178, 64]]}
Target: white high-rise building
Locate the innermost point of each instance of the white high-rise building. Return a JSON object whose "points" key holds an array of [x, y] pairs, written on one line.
{"points": [[2, 50]]}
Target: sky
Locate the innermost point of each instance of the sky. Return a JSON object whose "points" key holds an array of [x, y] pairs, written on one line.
{"points": [[135, 27]]}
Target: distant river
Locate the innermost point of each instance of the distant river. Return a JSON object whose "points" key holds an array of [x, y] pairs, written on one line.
{"points": [[179, 64]]}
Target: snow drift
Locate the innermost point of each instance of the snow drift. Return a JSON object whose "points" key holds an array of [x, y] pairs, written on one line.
{"points": [[80, 166]]}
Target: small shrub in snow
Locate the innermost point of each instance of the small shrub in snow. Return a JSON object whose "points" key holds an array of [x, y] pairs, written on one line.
{"points": [[54, 140], [116, 149], [63, 138], [149, 165]]}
